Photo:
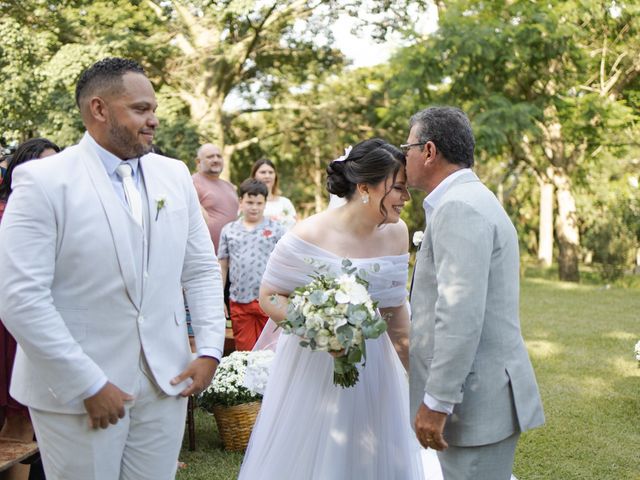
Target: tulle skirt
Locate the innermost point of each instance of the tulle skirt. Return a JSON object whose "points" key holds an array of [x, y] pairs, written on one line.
{"points": [[310, 429]]}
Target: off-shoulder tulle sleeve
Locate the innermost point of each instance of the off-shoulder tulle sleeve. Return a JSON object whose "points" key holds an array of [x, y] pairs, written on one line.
{"points": [[389, 285], [288, 267], [292, 262]]}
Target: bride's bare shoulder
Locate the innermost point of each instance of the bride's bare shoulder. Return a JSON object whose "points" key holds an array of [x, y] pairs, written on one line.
{"points": [[396, 237], [310, 229]]}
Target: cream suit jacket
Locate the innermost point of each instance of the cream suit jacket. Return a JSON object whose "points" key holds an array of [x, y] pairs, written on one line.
{"points": [[70, 286], [466, 346]]}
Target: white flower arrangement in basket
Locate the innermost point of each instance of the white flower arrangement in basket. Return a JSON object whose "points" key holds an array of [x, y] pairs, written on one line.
{"points": [[257, 371], [240, 378]]}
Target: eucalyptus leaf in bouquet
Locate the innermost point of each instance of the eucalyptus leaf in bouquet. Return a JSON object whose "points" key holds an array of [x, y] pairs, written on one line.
{"points": [[336, 315]]}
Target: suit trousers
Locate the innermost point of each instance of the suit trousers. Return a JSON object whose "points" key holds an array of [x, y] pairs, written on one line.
{"points": [[144, 445], [485, 462]]}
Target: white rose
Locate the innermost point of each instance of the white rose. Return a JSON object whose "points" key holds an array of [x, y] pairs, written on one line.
{"points": [[358, 294], [297, 301], [342, 297], [345, 281], [322, 338], [313, 321], [417, 238], [351, 291]]}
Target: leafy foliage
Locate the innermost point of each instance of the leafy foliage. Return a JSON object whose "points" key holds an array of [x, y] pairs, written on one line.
{"points": [[552, 89], [548, 88]]}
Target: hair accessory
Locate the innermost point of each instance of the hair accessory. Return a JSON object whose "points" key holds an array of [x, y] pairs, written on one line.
{"points": [[365, 198], [347, 151]]}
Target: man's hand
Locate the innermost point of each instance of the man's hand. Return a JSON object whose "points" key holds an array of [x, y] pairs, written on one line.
{"points": [[107, 406], [200, 371], [429, 427]]}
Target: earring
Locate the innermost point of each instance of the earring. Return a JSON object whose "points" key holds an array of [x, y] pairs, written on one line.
{"points": [[365, 198]]}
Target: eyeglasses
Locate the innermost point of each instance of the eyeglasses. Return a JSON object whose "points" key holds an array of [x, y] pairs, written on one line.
{"points": [[405, 148]]}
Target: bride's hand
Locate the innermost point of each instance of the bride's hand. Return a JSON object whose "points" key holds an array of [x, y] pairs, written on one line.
{"points": [[337, 353], [398, 328]]}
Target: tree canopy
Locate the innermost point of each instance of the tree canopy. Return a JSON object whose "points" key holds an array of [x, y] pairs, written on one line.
{"points": [[553, 91], [546, 85]]}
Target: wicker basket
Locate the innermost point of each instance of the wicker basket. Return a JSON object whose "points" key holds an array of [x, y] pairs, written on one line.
{"points": [[235, 424]]}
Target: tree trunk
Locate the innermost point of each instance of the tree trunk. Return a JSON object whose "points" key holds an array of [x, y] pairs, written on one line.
{"points": [[566, 222], [566, 228], [545, 231]]}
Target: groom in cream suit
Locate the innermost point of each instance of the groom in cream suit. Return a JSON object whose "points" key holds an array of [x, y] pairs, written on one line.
{"points": [[96, 247], [473, 389]]}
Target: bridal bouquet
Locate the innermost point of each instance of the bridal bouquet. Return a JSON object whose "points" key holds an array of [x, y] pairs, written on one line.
{"points": [[335, 315]]}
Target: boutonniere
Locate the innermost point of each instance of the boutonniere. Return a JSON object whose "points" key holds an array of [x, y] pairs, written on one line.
{"points": [[417, 238], [267, 233], [161, 202]]}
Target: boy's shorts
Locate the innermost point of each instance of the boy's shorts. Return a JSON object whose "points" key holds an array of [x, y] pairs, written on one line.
{"points": [[247, 322]]}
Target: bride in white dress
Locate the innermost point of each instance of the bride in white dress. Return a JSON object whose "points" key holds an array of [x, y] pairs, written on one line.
{"points": [[308, 428]]}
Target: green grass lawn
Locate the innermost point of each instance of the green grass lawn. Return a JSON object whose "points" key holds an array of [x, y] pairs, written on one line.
{"points": [[209, 461], [581, 340]]}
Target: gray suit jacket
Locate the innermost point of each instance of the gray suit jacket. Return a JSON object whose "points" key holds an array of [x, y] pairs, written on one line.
{"points": [[466, 347], [70, 286]]}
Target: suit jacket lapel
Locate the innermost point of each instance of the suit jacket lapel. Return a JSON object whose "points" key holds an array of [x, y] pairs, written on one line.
{"points": [[113, 211], [153, 184], [464, 178]]}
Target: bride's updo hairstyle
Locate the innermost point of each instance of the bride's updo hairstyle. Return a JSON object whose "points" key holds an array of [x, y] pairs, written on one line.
{"points": [[370, 162]]}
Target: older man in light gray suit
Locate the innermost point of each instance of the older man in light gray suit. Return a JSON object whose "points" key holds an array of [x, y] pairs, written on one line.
{"points": [[473, 389], [96, 247]]}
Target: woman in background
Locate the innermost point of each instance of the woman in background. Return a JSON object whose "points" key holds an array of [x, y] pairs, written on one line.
{"points": [[3, 167], [17, 423], [278, 208]]}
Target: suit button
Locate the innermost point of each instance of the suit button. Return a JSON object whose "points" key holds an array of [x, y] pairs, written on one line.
{"points": [[140, 319]]}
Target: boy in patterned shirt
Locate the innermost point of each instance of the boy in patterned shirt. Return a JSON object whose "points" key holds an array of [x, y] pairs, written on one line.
{"points": [[245, 246]]}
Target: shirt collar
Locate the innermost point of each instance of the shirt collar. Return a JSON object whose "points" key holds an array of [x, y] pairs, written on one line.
{"points": [[108, 159], [432, 200], [262, 225]]}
